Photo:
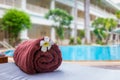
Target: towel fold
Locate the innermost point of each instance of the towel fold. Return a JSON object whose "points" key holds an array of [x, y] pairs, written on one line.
{"points": [[30, 57]]}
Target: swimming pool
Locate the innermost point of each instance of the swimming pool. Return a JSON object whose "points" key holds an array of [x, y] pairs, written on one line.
{"points": [[90, 52], [84, 52], [9, 53]]}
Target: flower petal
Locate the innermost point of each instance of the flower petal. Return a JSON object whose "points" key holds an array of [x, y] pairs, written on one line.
{"points": [[44, 49], [46, 39], [49, 47], [51, 42], [42, 42]]}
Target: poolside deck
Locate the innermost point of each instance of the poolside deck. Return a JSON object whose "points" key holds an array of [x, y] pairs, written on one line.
{"points": [[115, 65], [87, 63], [96, 63]]}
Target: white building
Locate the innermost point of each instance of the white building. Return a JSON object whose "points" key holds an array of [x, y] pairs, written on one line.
{"points": [[42, 27]]}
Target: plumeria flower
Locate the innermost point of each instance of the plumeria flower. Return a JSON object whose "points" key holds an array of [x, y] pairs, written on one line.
{"points": [[46, 44]]}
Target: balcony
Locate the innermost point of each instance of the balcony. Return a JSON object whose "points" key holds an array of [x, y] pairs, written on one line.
{"points": [[100, 12], [80, 19], [37, 9], [12, 3], [66, 2], [93, 9]]}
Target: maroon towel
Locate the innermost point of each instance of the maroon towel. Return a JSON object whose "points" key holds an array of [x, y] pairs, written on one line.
{"points": [[29, 57]]}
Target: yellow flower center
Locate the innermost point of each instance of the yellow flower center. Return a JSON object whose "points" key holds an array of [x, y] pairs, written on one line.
{"points": [[46, 44]]}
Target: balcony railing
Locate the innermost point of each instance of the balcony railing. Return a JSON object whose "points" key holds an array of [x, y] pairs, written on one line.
{"points": [[96, 10], [37, 9], [13, 3], [80, 19], [100, 11], [68, 2]]}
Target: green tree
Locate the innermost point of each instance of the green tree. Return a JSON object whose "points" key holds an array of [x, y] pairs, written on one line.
{"points": [[102, 27], [62, 18], [118, 14], [14, 21]]}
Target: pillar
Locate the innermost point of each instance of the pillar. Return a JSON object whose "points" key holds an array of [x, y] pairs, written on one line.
{"points": [[23, 4], [53, 36], [24, 33], [74, 14], [87, 21]]}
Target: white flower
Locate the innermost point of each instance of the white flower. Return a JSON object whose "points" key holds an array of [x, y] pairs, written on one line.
{"points": [[46, 44]]}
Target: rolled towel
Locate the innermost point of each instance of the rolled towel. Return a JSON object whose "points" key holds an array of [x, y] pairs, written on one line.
{"points": [[38, 56]]}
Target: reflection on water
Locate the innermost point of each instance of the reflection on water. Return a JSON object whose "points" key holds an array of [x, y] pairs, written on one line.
{"points": [[115, 52], [84, 52]]}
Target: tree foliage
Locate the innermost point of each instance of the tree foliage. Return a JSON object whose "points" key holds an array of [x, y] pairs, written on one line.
{"points": [[61, 19], [14, 21], [118, 14], [102, 26]]}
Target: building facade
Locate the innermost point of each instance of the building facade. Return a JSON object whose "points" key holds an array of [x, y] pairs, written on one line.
{"points": [[38, 8]]}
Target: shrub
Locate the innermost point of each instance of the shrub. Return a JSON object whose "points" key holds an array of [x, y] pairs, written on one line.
{"points": [[14, 21], [72, 41], [78, 40]]}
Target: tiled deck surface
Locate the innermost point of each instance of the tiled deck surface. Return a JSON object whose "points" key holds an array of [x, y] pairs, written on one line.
{"points": [[101, 64], [115, 65], [96, 63]]}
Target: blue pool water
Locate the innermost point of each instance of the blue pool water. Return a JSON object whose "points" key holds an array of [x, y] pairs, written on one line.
{"points": [[90, 52], [9, 53], [83, 52]]}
